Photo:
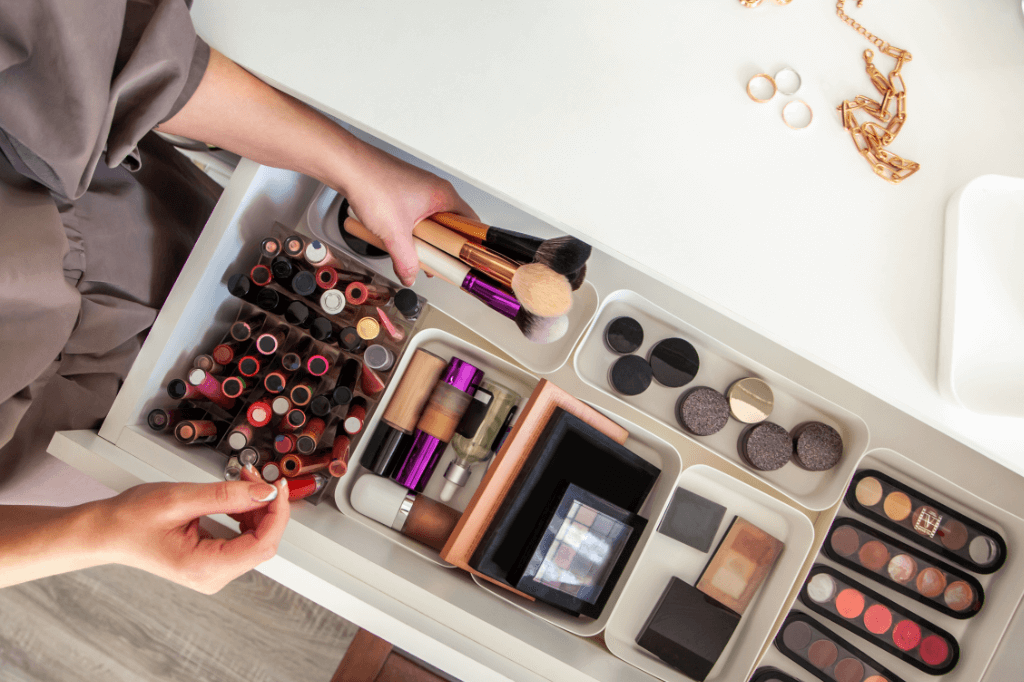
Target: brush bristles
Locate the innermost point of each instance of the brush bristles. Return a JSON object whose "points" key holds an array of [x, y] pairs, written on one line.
{"points": [[576, 279], [541, 290], [541, 329], [564, 255]]}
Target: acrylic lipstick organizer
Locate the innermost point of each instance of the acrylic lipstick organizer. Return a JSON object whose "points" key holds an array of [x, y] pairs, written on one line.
{"points": [[293, 337]]}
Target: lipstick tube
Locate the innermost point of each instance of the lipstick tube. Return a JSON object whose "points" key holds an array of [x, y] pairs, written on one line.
{"points": [[240, 286], [268, 343], [318, 365], [233, 470], [293, 246], [271, 301], [208, 364], [302, 487], [259, 414], [281, 405], [243, 330], [224, 353], [299, 465], [252, 456], [357, 293], [396, 333], [436, 426], [341, 450], [161, 419], [235, 387], [298, 314], [310, 437], [249, 366], [260, 275], [356, 416], [208, 385], [300, 395], [275, 382], [177, 389], [371, 384], [241, 436], [295, 419], [270, 247], [284, 443], [322, 329], [270, 472], [197, 431]]}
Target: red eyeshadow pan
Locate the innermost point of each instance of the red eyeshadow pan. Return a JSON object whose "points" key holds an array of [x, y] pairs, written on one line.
{"points": [[906, 635], [878, 619], [934, 650]]}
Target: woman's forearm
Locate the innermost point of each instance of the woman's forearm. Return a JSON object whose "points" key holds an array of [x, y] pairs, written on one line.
{"points": [[36, 542], [234, 110]]}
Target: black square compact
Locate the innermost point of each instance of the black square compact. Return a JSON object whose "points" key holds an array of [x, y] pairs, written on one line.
{"points": [[569, 451]]}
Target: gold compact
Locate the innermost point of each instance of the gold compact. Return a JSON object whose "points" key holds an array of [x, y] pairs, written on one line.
{"points": [[750, 400], [368, 329], [740, 564]]}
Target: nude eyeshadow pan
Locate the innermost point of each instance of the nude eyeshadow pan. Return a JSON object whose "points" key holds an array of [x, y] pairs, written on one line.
{"points": [[825, 655], [866, 613], [903, 568], [926, 522]]}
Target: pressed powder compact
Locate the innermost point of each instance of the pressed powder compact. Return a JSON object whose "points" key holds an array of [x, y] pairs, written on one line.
{"points": [[630, 375], [674, 362], [750, 400], [624, 335], [702, 411], [817, 446], [688, 630], [741, 563], [691, 519], [766, 446]]}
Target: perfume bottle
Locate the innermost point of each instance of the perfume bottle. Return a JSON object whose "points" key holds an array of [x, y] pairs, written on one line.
{"points": [[480, 433]]}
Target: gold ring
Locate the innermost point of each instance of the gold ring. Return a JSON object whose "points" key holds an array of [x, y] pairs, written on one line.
{"points": [[810, 114], [767, 78]]}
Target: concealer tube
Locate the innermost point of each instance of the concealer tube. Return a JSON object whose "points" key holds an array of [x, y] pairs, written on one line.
{"points": [[415, 516], [436, 426]]}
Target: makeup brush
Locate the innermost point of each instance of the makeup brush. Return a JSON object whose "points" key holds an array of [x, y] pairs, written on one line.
{"points": [[540, 289], [576, 278], [564, 255], [535, 328]]}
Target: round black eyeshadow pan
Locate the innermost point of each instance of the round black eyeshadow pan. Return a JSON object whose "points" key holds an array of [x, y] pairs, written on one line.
{"points": [[630, 375], [623, 335], [674, 362]]}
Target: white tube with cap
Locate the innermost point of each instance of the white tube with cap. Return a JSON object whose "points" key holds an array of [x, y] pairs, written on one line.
{"points": [[382, 500]]}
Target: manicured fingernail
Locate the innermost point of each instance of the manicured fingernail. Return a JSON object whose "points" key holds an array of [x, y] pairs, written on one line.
{"points": [[262, 492]]}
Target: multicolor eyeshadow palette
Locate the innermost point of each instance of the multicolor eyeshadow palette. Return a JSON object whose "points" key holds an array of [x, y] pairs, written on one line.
{"points": [[741, 563], [582, 550], [926, 522], [904, 569], [826, 656], [880, 621], [770, 674]]}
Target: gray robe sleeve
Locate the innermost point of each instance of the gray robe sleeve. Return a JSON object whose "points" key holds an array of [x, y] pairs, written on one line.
{"points": [[81, 81]]}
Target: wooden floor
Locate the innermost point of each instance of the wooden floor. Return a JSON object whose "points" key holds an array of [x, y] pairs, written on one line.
{"points": [[118, 624]]}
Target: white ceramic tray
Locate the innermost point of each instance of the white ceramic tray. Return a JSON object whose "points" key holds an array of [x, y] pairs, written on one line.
{"points": [[664, 558], [978, 636], [981, 339], [321, 220], [720, 365], [666, 458], [445, 345]]}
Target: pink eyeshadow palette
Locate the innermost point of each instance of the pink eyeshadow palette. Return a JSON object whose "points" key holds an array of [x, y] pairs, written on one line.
{"points": [[880, 621], [926, 522], [904, 569], [820, 652]]}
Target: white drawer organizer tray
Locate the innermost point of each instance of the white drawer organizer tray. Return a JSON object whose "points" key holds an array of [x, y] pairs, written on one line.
{"points": [[321, 221], [720, 365], [644, 444]]}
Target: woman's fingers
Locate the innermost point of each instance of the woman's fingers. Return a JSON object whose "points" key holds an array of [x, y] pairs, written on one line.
{"points": [[187, 501], [250, 549], [403, 257]]}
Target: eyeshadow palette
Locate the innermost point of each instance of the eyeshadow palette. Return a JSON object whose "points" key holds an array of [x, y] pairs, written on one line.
{"points": [[826, 656], [583, 547], [864, 612], [926, 522], [904, 569], [770, 674]]}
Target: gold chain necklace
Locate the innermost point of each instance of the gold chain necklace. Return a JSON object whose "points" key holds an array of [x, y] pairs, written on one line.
{"points": [[870, 137]]}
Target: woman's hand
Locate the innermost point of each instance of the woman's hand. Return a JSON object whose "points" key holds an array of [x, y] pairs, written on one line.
{"points": [[391, 196], [155, 527]]}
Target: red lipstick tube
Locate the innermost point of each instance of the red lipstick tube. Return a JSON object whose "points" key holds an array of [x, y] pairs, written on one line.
{"points": [[303, 486], [310, 437]]}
